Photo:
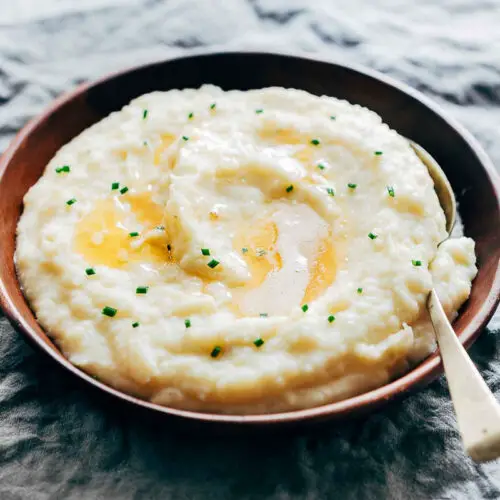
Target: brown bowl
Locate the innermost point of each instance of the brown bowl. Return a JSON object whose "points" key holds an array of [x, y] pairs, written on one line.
{"points": [[471, 173]]}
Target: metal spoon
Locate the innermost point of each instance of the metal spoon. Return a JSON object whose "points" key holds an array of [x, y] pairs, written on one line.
{"points": [[477, 411]]}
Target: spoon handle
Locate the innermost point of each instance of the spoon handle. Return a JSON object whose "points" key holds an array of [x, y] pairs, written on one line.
{"points": [[477, 411]]}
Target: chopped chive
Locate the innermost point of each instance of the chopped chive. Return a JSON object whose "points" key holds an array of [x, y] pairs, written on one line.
{"points": [[416, 263], [352, 186], [212, 106], [315, 142], [144, 114], [372, 236], [160, 228], [360, 290], [145, 143], [244, 250], [90, 271], [378, 153], [263, 315], [187, 323], [321, 166], [115, 185], [289, 189], [142, 290], [390, 190], [71, 202], [305, 307], [333, 117], [213, 263], [205, 251], [64, 168], [331, 318], [185, 137], [216, 351], [109, 311], [123, 190], [190, 116], [259, 111], [133, 234], [330, 191], [258, 342], [261, 252], [135, 325]]}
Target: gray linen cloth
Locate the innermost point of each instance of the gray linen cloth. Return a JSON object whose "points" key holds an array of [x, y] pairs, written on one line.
{"points": [[60, 441]]}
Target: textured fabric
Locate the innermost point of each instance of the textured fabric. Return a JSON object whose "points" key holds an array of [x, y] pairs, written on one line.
{"points": [[59, 441]]}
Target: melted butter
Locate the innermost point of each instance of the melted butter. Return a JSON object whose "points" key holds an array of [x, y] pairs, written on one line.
{"points": [[291, 258], [270, 132], [304, 155], [166, 141], [287, 136], [102, 236], [261, 258], [322, 270]]}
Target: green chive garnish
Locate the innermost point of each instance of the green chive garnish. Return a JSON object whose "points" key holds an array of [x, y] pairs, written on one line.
{"points": [[372, 236], [185, 137], [330, 191], [64, 168], [379, 153], [416, 263], [333, 117], [390, 190], [315, 142], [305, 307], [133, 234], [123, 190], [352, 186], [135, 325], [244, 250], [321, 166], [144, 114], [190, 116], [213, 263], [187, 323], [212, 106], [331, 318], [142, 289], [360, 290], [258, 342], [205, 251], [71, 202], [259, 111], [115, 185], [90, 271], [263, 315], [160, 228], [289, 189], [216, 351], [109, 311]]}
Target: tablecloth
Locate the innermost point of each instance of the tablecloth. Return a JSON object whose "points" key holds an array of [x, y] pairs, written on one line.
{"points": [[60, 441]]}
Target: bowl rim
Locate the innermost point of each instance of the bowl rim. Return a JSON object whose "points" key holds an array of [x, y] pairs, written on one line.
{"points": [[427, 370]]}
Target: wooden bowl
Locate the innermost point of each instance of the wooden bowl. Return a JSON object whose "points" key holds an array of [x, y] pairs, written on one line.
{"points": [[471, 173]]}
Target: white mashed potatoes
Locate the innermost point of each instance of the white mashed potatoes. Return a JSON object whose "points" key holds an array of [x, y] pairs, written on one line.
{"points": [[239, 252]]}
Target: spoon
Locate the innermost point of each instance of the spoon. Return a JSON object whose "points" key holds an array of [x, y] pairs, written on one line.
{"points": [[477, 411]]}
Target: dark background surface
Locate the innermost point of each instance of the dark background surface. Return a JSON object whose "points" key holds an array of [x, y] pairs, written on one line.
{"points": [[58, 441]]}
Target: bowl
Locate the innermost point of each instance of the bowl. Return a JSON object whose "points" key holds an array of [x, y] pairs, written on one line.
{"points": [[471, 174]]}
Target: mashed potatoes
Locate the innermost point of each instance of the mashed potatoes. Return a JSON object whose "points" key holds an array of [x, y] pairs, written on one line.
{"points": [[239, 252]]}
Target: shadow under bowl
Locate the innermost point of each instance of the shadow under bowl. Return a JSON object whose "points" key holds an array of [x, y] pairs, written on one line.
{"points": [[471, 174]]}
